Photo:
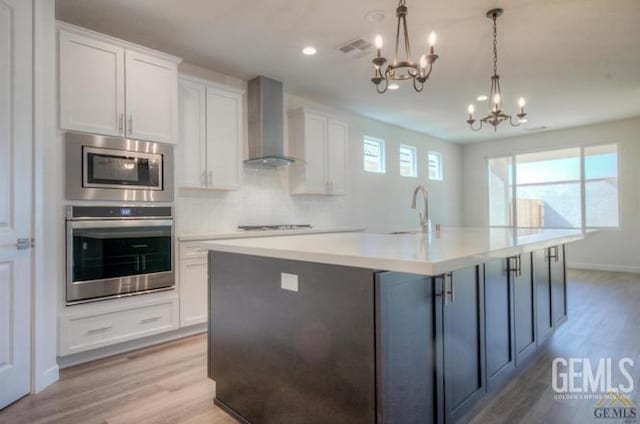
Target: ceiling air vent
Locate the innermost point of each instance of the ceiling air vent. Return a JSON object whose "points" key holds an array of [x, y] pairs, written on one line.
{"points": [[356, 48]]}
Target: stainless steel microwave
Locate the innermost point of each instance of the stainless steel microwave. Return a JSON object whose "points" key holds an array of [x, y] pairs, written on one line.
{"points": [[106, 168]]}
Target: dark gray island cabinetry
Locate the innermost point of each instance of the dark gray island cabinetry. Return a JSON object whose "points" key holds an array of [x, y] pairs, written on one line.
{"points": [[299, 341]]}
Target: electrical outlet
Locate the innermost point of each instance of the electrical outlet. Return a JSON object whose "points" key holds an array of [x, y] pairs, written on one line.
{"points": [[289, 281]]}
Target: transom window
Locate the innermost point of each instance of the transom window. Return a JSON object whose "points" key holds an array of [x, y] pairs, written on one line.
{"points": [[408, 161], [564, 188], [435, 166], [374, 155]]}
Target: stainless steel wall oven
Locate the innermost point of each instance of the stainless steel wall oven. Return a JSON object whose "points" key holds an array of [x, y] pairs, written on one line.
{"points": [[118, 251]]}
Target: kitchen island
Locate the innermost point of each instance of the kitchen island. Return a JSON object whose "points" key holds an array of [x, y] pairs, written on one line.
{"points": [[378, 328]]}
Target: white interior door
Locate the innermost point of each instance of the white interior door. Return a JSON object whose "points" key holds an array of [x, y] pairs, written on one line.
{"points": [[15, 197], [152, 97]]}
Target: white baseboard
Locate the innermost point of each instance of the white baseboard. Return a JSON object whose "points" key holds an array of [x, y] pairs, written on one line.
{"points": [[47, 378], [92, 355], [603, 267]]}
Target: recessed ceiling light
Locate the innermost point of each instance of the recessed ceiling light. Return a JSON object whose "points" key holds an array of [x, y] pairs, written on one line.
{"points": [[374, 16], [482, 98], [309, 51], [393, 86]]}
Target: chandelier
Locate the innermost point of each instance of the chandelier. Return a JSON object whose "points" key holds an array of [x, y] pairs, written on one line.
{"points": [[402, 68], [496, 114]]}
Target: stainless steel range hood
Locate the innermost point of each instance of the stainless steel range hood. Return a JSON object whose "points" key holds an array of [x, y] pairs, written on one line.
{"points": [[266, 122]]}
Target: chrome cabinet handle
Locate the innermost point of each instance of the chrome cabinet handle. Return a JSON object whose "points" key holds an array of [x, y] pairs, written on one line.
{"points": [[130, 126], [448, 289], [553, 256], [204, 178], [452, 292], [210, 177], [148, 320], [121, 124], [99, 330]]}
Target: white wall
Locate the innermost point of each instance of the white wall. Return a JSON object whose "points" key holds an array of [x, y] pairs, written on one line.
{"points": [[379, 202], [617, 249], [48, 260]]}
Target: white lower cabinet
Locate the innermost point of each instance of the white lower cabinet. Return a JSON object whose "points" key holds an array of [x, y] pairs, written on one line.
{"points": [[94, 325], [193, 285]]}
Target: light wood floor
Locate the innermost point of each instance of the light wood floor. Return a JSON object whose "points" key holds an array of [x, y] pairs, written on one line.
{"points": [[168, 383]]}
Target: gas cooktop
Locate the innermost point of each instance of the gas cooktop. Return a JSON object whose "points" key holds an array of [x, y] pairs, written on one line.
{"points": [[275, 227]]}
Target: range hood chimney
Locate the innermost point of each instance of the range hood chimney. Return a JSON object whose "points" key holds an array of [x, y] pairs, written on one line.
{"points": [[266, 122]]}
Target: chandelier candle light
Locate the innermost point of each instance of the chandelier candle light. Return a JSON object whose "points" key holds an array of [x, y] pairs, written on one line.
{"points": [[402, 68], [496, 114]]}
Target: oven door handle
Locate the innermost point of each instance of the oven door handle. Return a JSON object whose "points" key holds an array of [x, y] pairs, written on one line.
{"points": [[121, 223]]}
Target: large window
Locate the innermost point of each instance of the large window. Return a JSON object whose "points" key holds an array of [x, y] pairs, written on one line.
{"points": [[408, 161], [435, 166], [374, 155], [566, 188]]}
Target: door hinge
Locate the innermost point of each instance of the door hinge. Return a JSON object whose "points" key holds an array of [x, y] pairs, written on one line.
{"points": [[25, 243]]}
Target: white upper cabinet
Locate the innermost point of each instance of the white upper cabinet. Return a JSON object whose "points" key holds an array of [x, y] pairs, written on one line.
{"points": [[111, 87], [91, 85], [337, 156], [321, 142], [224, 138], [192, 125], [211, 134], [152, 87]]}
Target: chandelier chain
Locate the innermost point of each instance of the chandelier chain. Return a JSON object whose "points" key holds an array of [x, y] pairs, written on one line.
{"points": [[495, 45]]}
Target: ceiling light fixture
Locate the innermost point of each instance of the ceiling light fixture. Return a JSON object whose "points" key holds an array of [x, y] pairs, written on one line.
{"points": [[482, 98], [309, 51], [496, 115], [393, 86], [402, 68]]}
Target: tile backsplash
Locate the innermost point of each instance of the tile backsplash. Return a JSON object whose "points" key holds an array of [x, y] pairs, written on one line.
{"points": [[263, 199]]}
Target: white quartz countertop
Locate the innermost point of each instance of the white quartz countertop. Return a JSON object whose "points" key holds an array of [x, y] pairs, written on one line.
{"points": [[429, 254], [264, 233]]}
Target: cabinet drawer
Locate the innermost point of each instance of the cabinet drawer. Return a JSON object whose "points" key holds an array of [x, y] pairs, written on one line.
{"points": [[83, 333], [192, 250]]}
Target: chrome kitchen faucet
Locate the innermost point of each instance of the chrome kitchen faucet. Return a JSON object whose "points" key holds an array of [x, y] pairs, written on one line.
{"points": [[425, 218]]}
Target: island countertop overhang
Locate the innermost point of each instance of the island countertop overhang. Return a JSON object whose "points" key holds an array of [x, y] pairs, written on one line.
{"points": [[432, 253]]}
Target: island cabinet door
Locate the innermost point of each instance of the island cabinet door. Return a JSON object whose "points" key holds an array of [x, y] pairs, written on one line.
{"points": [[407, 317], [558, 279], [524, 291], [292, 342], [498, 298], [542, 280], [463, 341]]}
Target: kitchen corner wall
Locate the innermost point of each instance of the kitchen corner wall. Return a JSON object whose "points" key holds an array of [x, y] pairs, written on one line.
{"points": [[379, 202], [613, 249]]}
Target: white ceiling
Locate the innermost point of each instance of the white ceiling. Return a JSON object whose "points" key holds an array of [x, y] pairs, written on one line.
{"points": [[576, 61]]}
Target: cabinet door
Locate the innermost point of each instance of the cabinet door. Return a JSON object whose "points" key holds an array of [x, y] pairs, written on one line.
{"points": [[558, 284], [193, 291], [543, 294], [192, 125], [498, 322], [524, 291], [152, 91], [91, 85], [224, 138], [337, 156], [463, 342], [406, 348], [315, 136]]}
